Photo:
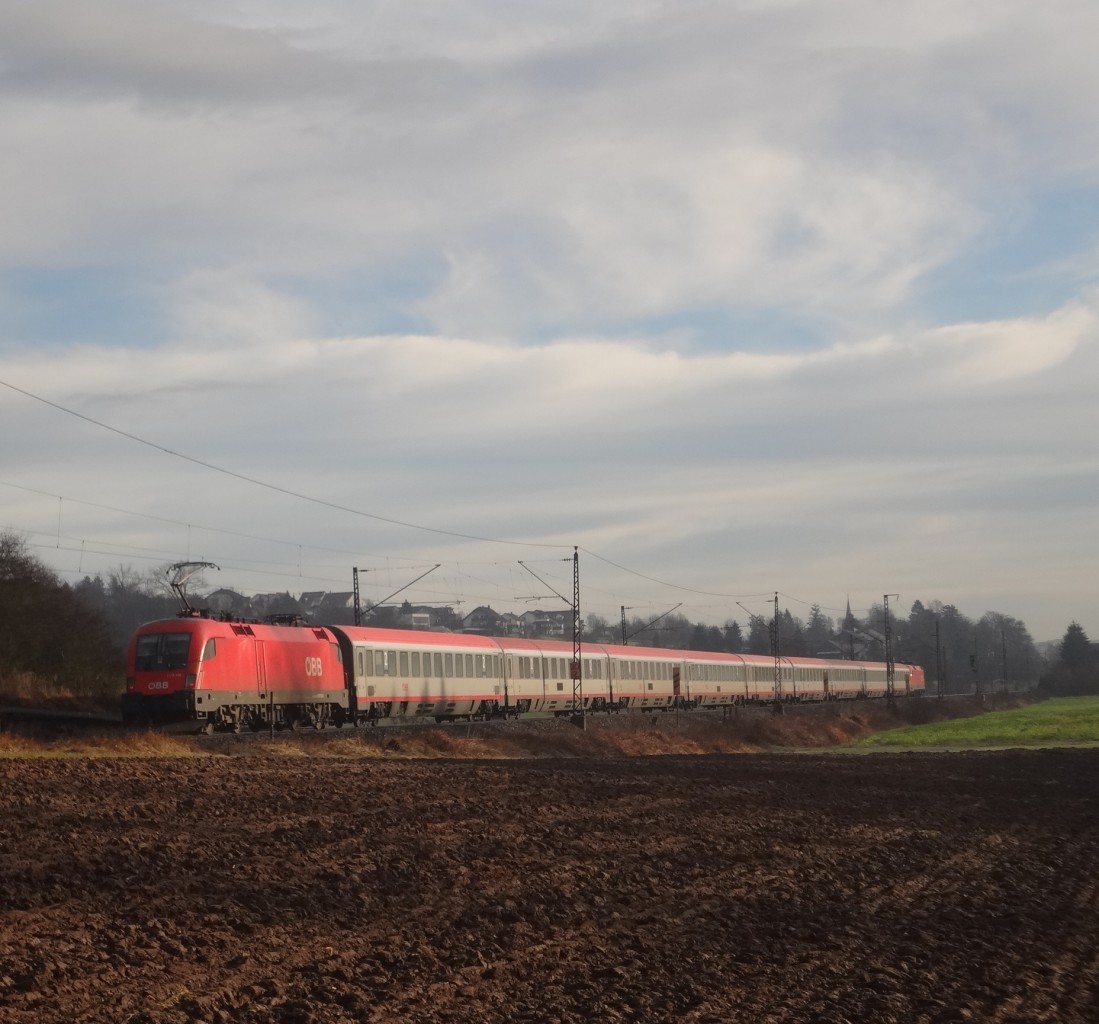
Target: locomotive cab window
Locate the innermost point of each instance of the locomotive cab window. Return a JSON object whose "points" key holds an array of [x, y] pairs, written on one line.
{"points": [[210, 650], [161, 651]]}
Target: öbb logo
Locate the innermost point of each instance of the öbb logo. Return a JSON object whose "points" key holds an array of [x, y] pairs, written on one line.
{"points": [[314, 667]]}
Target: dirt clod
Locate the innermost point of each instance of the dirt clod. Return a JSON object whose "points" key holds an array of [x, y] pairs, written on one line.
{"points": [[875, 889]]}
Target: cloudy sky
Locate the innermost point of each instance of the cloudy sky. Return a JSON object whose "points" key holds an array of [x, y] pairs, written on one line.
{"points": [[739, 297]]}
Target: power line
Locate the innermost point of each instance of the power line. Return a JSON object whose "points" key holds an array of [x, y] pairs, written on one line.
{"points": [[324, 503], [273, 487], [665, 583], [165, 519]]}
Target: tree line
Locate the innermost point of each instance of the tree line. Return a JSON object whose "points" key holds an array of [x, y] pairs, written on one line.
{"points": [[75, 636], [968, 654]]}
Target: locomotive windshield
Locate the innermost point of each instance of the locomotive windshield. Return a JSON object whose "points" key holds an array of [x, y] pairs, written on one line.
{"points": [[161, 651]]}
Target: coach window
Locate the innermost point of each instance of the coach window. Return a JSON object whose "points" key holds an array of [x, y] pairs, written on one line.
{"points": [[368, 657], [404, 664], [469, 665], [391, 662], [479, 664], [448, 664], [415, 663]]}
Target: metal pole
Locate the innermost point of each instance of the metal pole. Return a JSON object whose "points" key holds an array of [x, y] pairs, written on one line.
{"points": [[890, 667], [938, 659], [577, 664], [776, 644]]}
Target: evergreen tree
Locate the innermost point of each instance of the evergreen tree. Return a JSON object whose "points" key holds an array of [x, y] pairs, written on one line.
{"points": [[1075, 647], [1076, 671], [759, 636], [819, 631], [791, 636]]}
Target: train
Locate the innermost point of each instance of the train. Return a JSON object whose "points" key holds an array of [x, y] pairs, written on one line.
{"points": [[221, 674]]}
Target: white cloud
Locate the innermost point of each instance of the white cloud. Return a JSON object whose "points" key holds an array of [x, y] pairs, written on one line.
{"points": [[572, 167], [589, 223]]}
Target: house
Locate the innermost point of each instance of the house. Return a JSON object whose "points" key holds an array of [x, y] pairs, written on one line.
{"points": [[483, 621], [227, 602], [539, 623]]}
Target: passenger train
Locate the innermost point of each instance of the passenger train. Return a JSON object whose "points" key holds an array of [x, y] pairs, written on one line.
{"points": [[231, 675]]}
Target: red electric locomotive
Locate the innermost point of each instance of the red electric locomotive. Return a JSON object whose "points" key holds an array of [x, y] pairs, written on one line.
{"points": [[234, 675]]}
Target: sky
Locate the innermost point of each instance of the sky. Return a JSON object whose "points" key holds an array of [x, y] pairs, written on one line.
{"points": [[731, 298]]}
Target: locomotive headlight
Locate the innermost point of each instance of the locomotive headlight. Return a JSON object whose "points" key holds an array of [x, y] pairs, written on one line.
{"points": [[189, 681]]}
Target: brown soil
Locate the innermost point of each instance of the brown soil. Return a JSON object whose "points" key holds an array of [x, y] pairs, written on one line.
{"points": [[905, 888]]}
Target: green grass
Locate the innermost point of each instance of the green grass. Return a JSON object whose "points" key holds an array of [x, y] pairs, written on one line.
{"points": [[1061, 722]]}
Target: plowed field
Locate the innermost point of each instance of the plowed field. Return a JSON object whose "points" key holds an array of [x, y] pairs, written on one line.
{"points": [[764, 888]]}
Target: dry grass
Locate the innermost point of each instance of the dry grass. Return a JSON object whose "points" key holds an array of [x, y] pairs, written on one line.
{"points": [[632, 735], [133, 745], [26, 689]]}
